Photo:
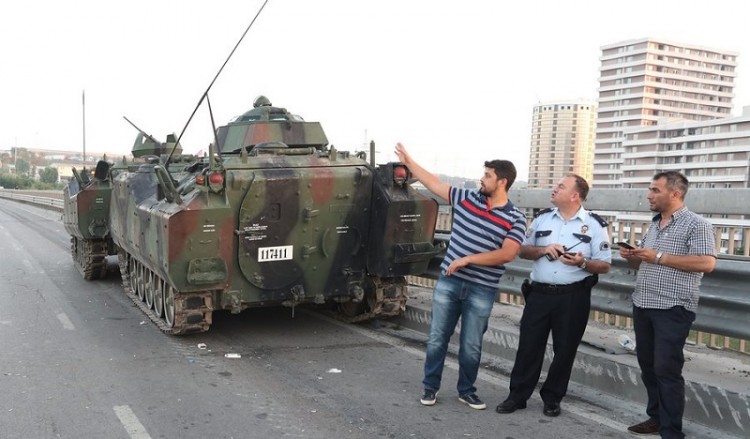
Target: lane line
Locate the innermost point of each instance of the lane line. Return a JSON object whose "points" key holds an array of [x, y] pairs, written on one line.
{"points": [[130, 421], [67, 324], [483, 375]]}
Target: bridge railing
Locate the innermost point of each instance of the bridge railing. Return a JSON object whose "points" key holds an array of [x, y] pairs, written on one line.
{"points": [[45, 202], [723, 317], [724, 307]]}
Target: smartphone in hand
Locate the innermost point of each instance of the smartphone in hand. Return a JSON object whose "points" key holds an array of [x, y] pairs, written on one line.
{"points": [[624, 244]]}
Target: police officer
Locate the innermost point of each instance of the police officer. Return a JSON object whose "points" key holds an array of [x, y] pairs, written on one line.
{"points": [[569, 247]]}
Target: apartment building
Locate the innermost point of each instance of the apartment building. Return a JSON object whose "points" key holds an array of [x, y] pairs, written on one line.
{"points": [[711, 154], [646, 80], [562, 141]]}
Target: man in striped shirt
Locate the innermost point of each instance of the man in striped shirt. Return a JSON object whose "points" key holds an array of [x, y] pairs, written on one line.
{"points": [[677, 249], [487, 232]]}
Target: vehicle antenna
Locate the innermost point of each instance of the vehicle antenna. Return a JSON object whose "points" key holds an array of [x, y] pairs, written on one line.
{"points": [[215, 149], [148, 136], [205, 94]]}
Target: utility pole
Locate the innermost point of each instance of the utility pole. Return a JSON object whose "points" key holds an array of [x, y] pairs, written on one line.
{"points": [[83, 102]]}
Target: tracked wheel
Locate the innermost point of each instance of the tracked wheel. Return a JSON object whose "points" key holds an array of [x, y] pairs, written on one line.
{"points": [[141, 276], [150, 287], [133, 274], [169, 305], [159, 298]]}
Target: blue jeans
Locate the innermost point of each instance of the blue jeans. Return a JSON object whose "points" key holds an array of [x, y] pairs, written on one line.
{"points": [[453, 298], [659, 339]]}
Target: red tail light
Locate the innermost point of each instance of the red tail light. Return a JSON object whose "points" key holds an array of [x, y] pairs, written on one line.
{"points": [[399, 174], [201, 179], [216, 178]]}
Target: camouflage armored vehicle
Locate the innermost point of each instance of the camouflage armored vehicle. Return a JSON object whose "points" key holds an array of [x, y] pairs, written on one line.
{"points": [[86, 214], [86, 219], [274, 216]]}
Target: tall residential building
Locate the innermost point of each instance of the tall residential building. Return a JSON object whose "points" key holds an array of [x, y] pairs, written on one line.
{"points": [[644, 80], [711, 154], [562, 142]]}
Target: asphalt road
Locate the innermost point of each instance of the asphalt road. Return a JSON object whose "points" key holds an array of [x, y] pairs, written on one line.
{"points": [[79, 360]]}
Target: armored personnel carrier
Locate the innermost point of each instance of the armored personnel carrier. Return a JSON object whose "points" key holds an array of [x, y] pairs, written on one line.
{"points": [[86, 219], [86, 214], [274, 216]]}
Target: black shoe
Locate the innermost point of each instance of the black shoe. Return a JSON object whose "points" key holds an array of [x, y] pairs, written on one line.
{"points": [[551, 409], [510, 406], [429, 397], [473, 401]]}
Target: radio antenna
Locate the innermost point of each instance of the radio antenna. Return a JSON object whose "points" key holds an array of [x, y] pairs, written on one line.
{"points": [[205, 93]]}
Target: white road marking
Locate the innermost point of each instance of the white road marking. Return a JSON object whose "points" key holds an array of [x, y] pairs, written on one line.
{"points": [[569, 407], [130, 421], [67, 324]]}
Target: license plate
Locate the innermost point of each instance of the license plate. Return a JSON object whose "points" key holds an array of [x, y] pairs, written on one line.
{"points": [[280, 253]]}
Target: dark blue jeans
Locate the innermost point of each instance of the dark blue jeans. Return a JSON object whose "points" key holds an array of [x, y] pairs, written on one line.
{"points": [[659, 339], [453, 298]]}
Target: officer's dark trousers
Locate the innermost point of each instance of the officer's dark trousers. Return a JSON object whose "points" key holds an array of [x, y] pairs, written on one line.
{"points": [[659, 340], [566, 315]]}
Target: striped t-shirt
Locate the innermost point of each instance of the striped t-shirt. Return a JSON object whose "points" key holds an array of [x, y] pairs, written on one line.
{"points": [[478, 229]]}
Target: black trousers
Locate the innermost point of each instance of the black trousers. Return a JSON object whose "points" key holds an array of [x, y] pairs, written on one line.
{"points": [[566, 315], [659, 340]]}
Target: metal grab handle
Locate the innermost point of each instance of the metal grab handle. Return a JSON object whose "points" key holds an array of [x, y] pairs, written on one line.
{"points": [[167, 186]]}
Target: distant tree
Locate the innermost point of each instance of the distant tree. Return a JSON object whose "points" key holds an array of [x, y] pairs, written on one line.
{"points": [[48, 175], [8, 181], [24, 182], [12, 181], [22, 166]]}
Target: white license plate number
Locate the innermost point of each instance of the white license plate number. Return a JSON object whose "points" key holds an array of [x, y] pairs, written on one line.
{"points": [[280, 253]]}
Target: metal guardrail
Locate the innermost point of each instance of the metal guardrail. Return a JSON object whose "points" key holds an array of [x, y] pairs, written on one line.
{"points": [[723, 309], [44, 202]]}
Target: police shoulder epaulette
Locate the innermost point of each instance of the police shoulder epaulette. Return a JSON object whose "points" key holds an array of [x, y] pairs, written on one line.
{"points": [[599, 219], [543, 211]]}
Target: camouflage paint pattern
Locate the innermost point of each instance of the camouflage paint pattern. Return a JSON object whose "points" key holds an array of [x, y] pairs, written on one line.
{"points": [[278, 219], [86, 212], [86, 218]]}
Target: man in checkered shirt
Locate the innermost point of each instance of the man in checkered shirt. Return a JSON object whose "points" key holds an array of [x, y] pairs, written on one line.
{"points": [[677, 249]]}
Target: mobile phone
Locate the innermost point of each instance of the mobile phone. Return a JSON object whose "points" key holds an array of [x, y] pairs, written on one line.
{"points": [[624, 244], [549, 258]]}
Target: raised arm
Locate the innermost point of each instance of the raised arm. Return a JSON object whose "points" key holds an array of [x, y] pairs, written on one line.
{"points": [[430, 181]]}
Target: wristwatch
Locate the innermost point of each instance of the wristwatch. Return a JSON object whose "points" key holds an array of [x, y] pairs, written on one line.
{"points": [[583, 265], [658, 257]]}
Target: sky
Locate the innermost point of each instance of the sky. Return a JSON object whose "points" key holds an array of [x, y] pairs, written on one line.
{"points": [[454, 81]]}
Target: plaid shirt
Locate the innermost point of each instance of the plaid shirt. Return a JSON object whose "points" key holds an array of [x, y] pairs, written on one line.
{"points": [[662, 287]]}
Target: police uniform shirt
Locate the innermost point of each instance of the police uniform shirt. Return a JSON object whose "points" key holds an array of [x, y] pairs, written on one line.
{"points": [[582, 233]]}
